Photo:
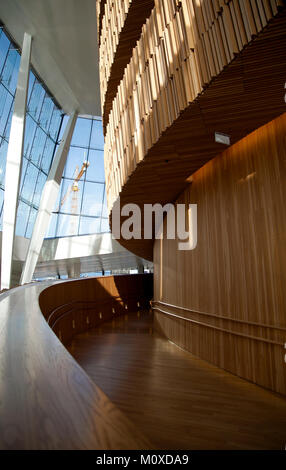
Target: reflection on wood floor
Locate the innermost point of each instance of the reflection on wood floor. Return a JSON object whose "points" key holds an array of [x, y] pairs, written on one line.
{"points": [[177, 400]]}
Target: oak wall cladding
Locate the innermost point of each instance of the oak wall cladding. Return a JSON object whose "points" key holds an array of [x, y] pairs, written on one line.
{"points": [[193, 71], [121, 25], [226, 300], [181, 49]]}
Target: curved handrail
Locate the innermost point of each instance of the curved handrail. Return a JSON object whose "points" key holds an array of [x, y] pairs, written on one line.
{"points": [[78, 316], [74, 302], [47, 401]]}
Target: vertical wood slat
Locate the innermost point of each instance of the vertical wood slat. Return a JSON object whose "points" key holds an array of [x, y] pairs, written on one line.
{"points": [[183, 45]]}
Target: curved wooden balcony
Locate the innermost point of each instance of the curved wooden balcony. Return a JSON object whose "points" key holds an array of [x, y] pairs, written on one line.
{"points": [[46, 400], [191, 74]]}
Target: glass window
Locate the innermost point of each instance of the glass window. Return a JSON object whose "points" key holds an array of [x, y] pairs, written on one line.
{"points": [[67, 225], [29, 135], [30, 181], [3, 154], [39, 188], [6, 100], [92, 199], [4, 47], [89, 225], [95, 171], [89, 202], [23, 172], [59, 197], [10, 70], [22, 218], [47, 155], [1, 200], [104, 207], [31, 222], [46, 112], [36, 100], [14, 74], [38, 146], [71, 200], [81, 135], [55, 123], [104, 226], [52, 226], [75, 159], [43, 120], [63, 126], [97, 139], [8, 124], [32, 79]]}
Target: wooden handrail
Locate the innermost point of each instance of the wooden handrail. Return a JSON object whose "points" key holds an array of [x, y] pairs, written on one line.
{"points": [[217, 328], [77, 302], [89, 302], [73, 308], [220, 317]]}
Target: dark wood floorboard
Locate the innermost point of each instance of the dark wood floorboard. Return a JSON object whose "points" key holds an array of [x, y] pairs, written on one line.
{"points": [[177, 400]]}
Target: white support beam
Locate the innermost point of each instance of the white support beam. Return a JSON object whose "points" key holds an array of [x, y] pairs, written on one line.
{"points": [[47, 203], [14, 164]]}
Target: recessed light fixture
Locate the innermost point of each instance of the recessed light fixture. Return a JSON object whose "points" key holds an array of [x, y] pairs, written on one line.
{"points": [[221, 138]]}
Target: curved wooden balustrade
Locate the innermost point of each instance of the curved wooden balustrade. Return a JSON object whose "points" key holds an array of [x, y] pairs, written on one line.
{"points": [[76, 317], [191, 75], [46, 400]]}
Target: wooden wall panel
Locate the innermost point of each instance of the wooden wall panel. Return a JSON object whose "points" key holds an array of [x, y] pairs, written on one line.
{"points": [[180, 51], [225, 301]]}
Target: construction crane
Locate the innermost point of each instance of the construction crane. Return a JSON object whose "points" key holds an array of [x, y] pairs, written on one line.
{"points": [[74, 189]]}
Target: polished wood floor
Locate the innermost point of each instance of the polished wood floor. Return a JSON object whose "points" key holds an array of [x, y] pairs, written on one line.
{"points": [[177, 400]]}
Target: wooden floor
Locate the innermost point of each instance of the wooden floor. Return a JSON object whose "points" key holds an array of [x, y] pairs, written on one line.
{"points": [[177, 400]]}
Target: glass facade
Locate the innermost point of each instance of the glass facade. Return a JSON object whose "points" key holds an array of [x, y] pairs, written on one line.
{"points": [[43, 122], [81, 208], [78, 212]]}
